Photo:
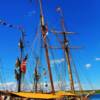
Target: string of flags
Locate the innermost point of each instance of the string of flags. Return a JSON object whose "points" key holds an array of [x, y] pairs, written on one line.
{"points": [[4, 23]]}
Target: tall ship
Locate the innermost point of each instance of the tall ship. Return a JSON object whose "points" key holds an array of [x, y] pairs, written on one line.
{"points": [[48, 65]]}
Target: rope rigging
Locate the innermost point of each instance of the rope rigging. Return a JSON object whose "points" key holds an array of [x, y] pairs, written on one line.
{"points": [[57, 70], [1, 79], [76, 73]]}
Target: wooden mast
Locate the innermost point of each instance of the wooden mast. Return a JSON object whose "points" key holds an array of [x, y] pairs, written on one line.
{"points": [[69, 66], [36, 78], [66, 48], [45, 45], [68, 61], [21, 46]]}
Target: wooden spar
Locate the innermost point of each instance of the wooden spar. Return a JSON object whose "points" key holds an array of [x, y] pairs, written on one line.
{"points": [[46, 47], [67, 53]]}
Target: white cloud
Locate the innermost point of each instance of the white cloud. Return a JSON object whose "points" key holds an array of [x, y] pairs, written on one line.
{"points": [[57, 61], [97, 59], [11, 86], [88, 66]]}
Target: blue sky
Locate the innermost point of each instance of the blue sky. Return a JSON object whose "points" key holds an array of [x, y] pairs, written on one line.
{"points": [[81, 16]]}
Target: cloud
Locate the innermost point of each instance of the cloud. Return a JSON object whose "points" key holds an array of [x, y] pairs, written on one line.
{"points": [[88, 66], [11, 86], [57, 61], [97, 59], [58, 85]]}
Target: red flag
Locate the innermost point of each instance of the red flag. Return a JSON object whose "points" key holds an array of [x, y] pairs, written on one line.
{"points": [[23, 66]]}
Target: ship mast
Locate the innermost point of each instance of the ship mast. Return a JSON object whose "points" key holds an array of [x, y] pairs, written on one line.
{"points": [[36, 74], [45, 45], [68, 61], [66, 48], [21, 46]]}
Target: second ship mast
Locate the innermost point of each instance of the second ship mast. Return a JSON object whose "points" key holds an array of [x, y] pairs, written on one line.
{"points": [[66, 48]]}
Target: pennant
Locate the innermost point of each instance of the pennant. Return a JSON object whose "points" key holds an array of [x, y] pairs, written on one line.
{"points": [[4, 23], [18, 62], [11, 26]]}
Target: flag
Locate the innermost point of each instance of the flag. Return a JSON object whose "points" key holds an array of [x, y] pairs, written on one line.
{"points": [[4, 23], [17, 62], [23, 66]]}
